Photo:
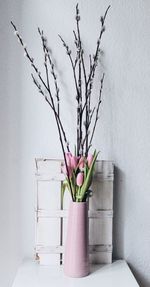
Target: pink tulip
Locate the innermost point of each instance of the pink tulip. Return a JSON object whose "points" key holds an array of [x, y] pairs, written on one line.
{"points": [[79, 179], [68, 156], [64, 170], [89, 159], [81, 162], [74, 162]]}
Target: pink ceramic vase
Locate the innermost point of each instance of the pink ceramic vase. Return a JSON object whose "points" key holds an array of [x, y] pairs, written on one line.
{"points": [[76, 260]]}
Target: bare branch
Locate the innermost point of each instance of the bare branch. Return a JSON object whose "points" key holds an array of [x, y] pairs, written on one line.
{"points": [[51, 104], [31, 59], [97, 111], [96, 55], [47, 56]]}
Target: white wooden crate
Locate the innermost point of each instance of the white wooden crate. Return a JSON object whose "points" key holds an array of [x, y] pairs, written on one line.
{"points": [[51, 216]]}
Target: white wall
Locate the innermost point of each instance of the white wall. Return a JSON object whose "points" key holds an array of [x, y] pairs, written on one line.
{"points": [[10, 212], [123, 133], [128, 62]]}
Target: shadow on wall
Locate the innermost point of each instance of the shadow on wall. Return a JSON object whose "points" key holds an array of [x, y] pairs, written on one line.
{"points": [[10, 222], [118, 223], [139, 277]]}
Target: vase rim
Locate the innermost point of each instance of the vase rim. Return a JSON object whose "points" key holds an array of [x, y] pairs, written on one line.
{"points": [[81, 203]]}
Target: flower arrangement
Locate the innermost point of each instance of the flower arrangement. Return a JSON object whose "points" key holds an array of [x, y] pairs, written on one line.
{"points": [[78, 168]]}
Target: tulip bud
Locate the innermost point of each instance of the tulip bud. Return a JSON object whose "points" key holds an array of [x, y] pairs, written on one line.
{"points": [[79, 179], [81, 162], [68, 156], [89, 159], [74, 162]]}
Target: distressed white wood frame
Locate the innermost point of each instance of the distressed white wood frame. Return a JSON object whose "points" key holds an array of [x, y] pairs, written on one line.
{"points": [[51, 215]]}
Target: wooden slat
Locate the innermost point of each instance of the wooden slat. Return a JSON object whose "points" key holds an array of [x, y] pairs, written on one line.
{"points": [[64, 213], [60, 249], [47, 169], [48, 177], [60, 177]]}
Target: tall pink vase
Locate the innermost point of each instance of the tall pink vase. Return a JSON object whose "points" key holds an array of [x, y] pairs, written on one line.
{"points": [[76, 259]]}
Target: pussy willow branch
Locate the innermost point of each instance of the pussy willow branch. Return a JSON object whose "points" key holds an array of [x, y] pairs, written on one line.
{"points": [[58, 121], [89, 123], [79, 96], [47, 100], [78, 37], [79, 71], [46, 69], [94, 63], [80, 116], [97, 111], [95, 57], [77, 47], [84, 74], [39, 88], [87, 80], [77, 85], [68, 51], [51, 104], [43, 93], [28, 56], [91, 112], [89, 83], [79, 108], [47, 55]]}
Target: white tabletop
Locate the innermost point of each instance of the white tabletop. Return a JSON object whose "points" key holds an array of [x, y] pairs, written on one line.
{"points": [[117, 274]]}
